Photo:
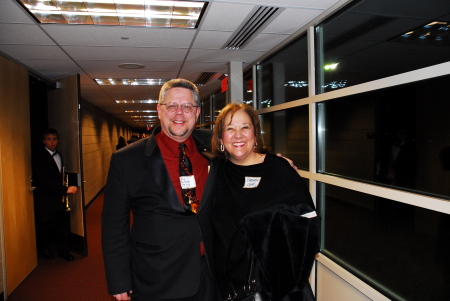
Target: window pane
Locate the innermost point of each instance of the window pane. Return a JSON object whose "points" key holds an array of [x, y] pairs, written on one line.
{"points": [[220, 101], [377, 38], [399, 249], [206, 111], [288, 132], [266, 121], [284, 76], [397, 136], [248, 87]]}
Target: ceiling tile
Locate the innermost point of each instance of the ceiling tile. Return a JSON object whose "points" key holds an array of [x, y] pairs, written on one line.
{"points": [[225, 16], [263, 42], [95, 35], [23, 34], [34, 52], [222, 55], [12, 12], [125, 53], [211, 39]]}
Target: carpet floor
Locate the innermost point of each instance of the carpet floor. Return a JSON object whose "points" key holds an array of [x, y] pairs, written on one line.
{"points": [[80, 280]]}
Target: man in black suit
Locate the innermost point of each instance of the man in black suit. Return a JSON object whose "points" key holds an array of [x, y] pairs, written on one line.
{"points": [[161, 256], [50, 214]]}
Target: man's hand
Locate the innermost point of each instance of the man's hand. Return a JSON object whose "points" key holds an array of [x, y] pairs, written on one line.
{"points": [[123, 296], [72, 189], [289, 160]]}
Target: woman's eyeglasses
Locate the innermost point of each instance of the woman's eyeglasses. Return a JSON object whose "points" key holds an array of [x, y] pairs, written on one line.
{"points": [[173, 106]]}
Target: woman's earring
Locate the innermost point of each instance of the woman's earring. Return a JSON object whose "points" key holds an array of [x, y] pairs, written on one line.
{"points": [[222, 148], [256, 144]]}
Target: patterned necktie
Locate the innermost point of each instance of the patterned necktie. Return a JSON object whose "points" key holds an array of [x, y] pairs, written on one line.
{"points": [[190, 199]]}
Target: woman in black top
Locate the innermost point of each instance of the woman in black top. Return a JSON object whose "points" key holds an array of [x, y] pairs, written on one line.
{"points": [[257, 203]]}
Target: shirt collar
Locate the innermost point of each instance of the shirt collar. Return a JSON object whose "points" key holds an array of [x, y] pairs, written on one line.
{"points": [[170, 146]]}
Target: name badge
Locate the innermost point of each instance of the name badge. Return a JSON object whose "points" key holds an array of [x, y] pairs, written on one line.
{"points": [[187, 182], [252, 182]]}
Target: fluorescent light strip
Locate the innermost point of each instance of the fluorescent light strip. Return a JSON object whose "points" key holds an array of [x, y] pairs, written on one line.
{"points": [[112, 12], [131, 81], [137, 101], [140, 111]]}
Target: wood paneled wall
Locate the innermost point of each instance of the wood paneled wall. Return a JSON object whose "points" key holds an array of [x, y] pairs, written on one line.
{"points": [[100, 134]]}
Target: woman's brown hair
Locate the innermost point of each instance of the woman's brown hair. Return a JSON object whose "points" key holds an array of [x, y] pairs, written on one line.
{"points": [[220, 126]]}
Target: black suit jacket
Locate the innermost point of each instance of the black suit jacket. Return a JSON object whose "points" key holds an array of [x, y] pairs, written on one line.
{"points": [[159, 257], [48, 181]]}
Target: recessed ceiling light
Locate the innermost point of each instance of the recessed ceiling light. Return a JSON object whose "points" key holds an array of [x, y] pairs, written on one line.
{"points": [[137, 101], [140, 111], [149, 13], [131, 66], [139, 116], [131, 81]]}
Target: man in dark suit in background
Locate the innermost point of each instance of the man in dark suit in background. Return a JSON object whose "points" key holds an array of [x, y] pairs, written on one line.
{"points": [[161, 257], [51, 216]]}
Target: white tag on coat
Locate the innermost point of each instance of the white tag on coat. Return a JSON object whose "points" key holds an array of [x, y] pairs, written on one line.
{"points": [[188, 182], [310, 214], [252, 182]]}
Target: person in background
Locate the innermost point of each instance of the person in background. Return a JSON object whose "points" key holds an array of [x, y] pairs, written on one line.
{"points": [[134, 137], [51, 216], [121, 143], [260, 207]]}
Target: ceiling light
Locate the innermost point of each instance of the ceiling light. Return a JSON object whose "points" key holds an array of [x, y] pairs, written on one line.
{"points": [[147, 13], [137, 101], [140, 111], [138, 116], [330, 66], [131, 81]]}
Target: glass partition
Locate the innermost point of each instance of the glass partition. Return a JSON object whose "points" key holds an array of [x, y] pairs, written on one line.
{"points": [[288, 133], [399, 249], [373, 39], [284, 76], [397, 136], [248, 87]]}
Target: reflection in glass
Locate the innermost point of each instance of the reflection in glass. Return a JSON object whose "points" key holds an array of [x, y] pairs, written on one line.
{"points": [[288, 133], [399, 249], [391, 136], [283, 77], [248, 87], [206, 111], [219, 101], [266, 121], [373, 39]]}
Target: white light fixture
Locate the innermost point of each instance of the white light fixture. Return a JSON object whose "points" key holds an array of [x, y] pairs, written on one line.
{"points": [[140, 111], [137, 101], [331, 66], [131, 81], [148, 13]]}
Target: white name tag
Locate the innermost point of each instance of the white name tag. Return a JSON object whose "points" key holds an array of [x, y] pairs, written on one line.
{"points": [[187, 182], [252, 182], [310, 214]]}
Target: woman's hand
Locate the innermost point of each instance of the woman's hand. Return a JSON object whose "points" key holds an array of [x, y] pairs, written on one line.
{"points": [[289, 160]]}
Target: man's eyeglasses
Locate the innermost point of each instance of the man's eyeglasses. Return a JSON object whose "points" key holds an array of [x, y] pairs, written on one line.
{"points": [[173, 106]]}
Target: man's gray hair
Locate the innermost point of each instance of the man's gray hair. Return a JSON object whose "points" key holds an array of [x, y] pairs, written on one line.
{"points": [[179, 83]]}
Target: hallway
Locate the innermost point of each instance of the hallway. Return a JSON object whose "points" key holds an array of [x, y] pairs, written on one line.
{"points": [[82, 279]]}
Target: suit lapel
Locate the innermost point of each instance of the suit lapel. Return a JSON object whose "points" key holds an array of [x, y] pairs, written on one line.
{"points": [[158, 171]]}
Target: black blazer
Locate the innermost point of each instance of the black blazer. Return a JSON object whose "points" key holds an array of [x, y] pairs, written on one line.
{"points": [[48, 181], [159, 256]]}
